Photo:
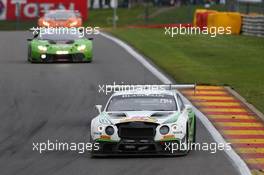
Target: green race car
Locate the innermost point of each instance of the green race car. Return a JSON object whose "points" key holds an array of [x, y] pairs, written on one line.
{"points": [[59, 46]]}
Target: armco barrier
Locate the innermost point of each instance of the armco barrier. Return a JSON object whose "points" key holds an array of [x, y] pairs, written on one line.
{"points": [[253, 25]]}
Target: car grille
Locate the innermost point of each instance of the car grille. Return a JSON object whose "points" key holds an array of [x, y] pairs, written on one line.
{"points": [[68, 57], [137, 130]]}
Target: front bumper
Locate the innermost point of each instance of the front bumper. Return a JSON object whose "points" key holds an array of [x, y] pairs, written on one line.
{"points": [[137, 148], [51, 58]]}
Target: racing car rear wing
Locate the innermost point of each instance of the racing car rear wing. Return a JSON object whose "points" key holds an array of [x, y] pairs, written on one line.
{"points": [[123, 87], [178, 86]]}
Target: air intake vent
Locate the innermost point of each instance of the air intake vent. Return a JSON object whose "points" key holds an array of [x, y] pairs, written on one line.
{"points": [[137, 130]]}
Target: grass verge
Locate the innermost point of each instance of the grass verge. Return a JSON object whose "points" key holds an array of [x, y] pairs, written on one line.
{"points": [[237, 61]]}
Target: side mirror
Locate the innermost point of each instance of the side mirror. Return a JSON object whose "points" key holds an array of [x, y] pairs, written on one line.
{"points": [[99, 108], [35, 35], [189, 107]]}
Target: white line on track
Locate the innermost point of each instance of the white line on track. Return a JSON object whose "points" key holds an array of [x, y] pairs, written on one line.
{"points": [[236, 160]]}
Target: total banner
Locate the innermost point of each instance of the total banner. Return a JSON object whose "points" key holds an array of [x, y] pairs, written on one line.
{"points": [[30, 9]]}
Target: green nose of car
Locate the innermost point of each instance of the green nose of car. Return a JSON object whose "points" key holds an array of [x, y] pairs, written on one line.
{"points": [[60, 47]]}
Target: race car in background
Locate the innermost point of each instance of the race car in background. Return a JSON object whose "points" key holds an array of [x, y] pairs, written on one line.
{"points": [[60, 18], [60, 45], [143, 123]]}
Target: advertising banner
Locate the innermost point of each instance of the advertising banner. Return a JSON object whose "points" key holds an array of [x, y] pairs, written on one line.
{"points": [[30, 9], [3, 8]]}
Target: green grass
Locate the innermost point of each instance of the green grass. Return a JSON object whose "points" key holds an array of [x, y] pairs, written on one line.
{"points": [[13, 25], [237, 61], [136, 16], [103, 18]]}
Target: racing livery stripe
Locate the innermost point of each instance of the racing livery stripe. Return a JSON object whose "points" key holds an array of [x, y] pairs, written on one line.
{"points": [[236, 122]]}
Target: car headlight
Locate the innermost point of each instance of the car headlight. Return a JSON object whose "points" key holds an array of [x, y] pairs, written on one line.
{"points": [[109, 130], [42, 48], [73, 23], [81, 47], [164, 130], [45, 23]]}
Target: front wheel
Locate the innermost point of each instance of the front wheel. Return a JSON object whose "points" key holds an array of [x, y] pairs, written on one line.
{"points": [[91, 152], [29, 54], [194, 130], [185, 142]]}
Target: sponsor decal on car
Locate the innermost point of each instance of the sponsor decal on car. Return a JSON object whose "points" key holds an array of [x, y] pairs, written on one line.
{"points": [[138, 119]]}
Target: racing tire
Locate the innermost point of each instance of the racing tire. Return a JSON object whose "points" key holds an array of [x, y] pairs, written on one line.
{"points": [[194, 130], [29, 54], [91, 152], [186, 141], [86, 61]]}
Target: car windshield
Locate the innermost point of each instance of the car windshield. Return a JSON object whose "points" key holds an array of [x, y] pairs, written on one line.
{"points": [[59, 34], [139, 102], [60, 15]]}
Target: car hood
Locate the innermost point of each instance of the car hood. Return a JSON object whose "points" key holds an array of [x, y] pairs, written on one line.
{"points": [[158, 117], [60, 44]]}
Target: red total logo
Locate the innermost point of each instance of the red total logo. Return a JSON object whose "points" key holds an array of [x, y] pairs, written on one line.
{"points": [[29, 9]]}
